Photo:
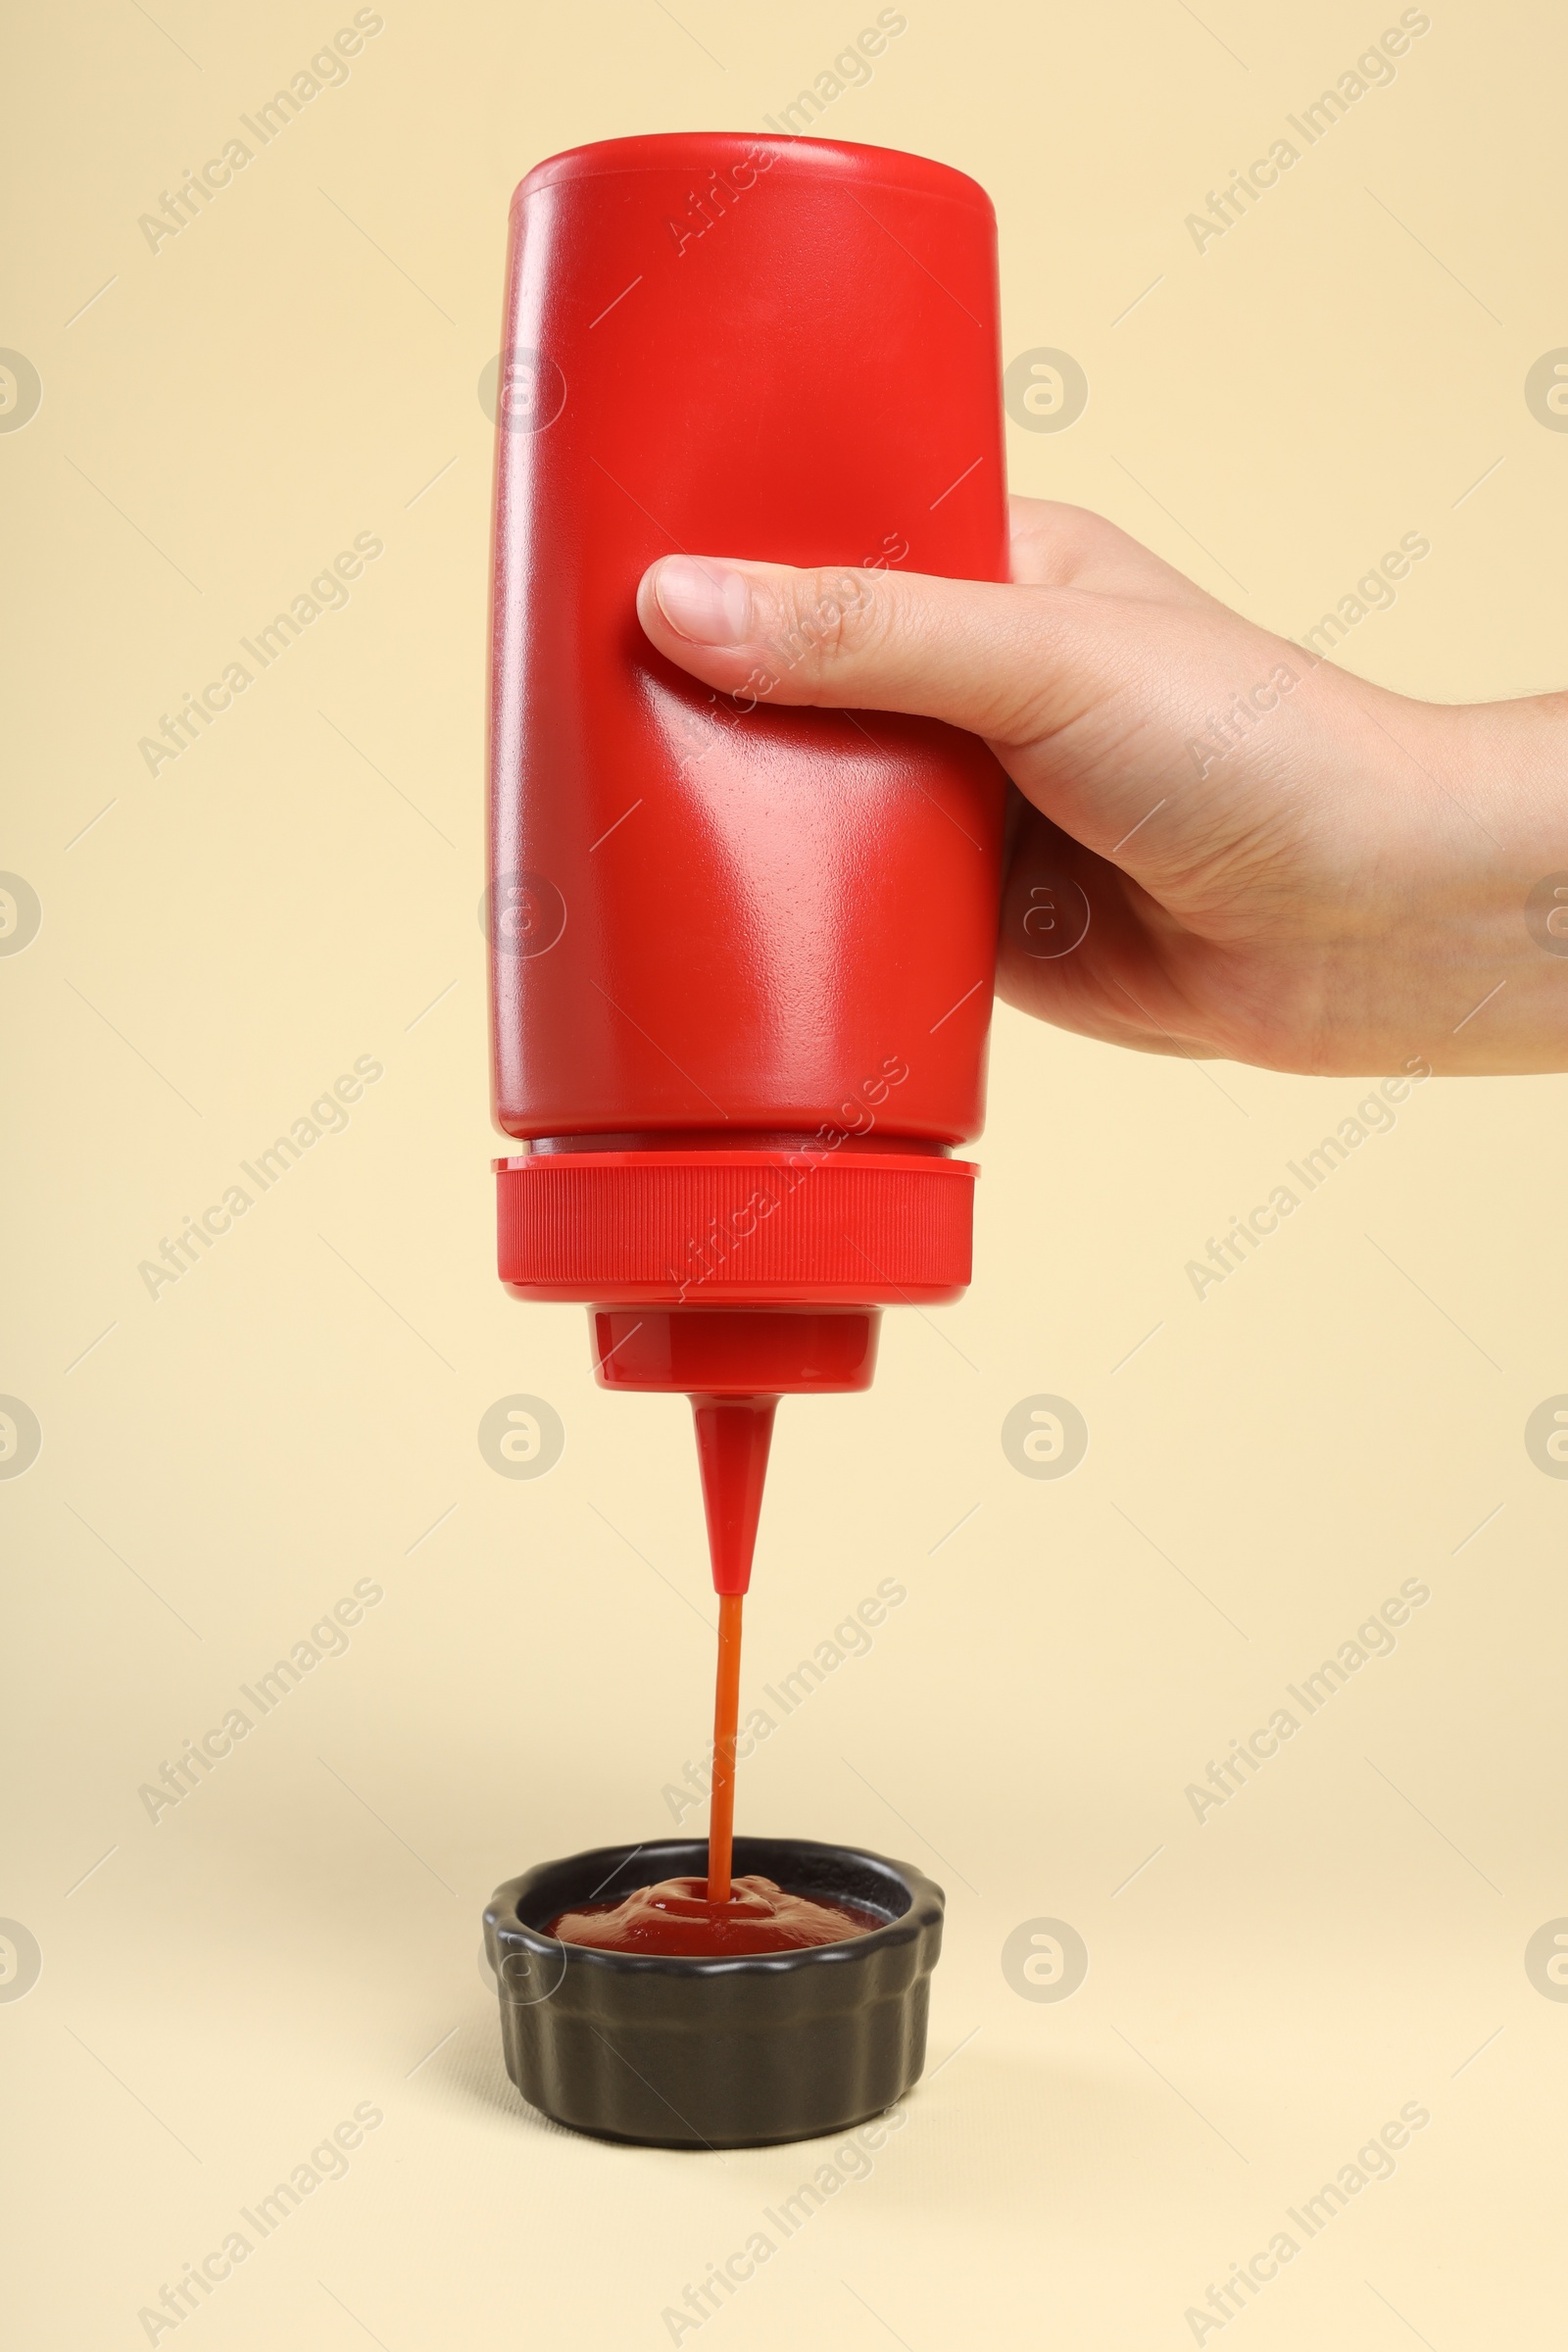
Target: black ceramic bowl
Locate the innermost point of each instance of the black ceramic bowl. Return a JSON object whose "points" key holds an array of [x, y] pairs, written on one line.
{"points": [[698, 2053]]}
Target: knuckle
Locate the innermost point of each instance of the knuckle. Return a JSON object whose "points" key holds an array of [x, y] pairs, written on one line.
{"points": [[827, 617]]}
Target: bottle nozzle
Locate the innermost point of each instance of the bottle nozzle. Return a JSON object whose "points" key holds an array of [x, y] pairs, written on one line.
{"points": [[733, 1438]]}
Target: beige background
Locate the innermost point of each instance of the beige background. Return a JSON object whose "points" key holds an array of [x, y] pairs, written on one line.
{"points": [[218, 944]]}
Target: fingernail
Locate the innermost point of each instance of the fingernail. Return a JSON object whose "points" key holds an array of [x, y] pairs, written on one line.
{"points": [[707, 602]]}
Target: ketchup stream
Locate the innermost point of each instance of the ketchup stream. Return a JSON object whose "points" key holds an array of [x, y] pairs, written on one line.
{"points": [[722, 1916], [726, 1723]]}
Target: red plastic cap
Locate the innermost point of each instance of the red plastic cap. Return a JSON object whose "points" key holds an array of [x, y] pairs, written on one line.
{"points": [[701, 1228], [736, 1351]]}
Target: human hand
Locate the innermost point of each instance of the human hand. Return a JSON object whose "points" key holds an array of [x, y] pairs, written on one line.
{"points": [[1282, 865]]}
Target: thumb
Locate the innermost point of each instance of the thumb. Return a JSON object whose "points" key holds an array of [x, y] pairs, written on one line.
{"points": [[1010, 663], [1102, 706]]}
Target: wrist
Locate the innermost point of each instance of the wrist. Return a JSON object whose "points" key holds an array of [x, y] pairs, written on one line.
{"points": [[1503, 767]]}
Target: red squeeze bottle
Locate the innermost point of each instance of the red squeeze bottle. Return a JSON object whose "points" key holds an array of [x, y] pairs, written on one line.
{"points": [[741, 955]]}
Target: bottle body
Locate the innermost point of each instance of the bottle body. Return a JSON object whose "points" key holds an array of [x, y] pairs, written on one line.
{"points": [[742, 955], [737, 917]]}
